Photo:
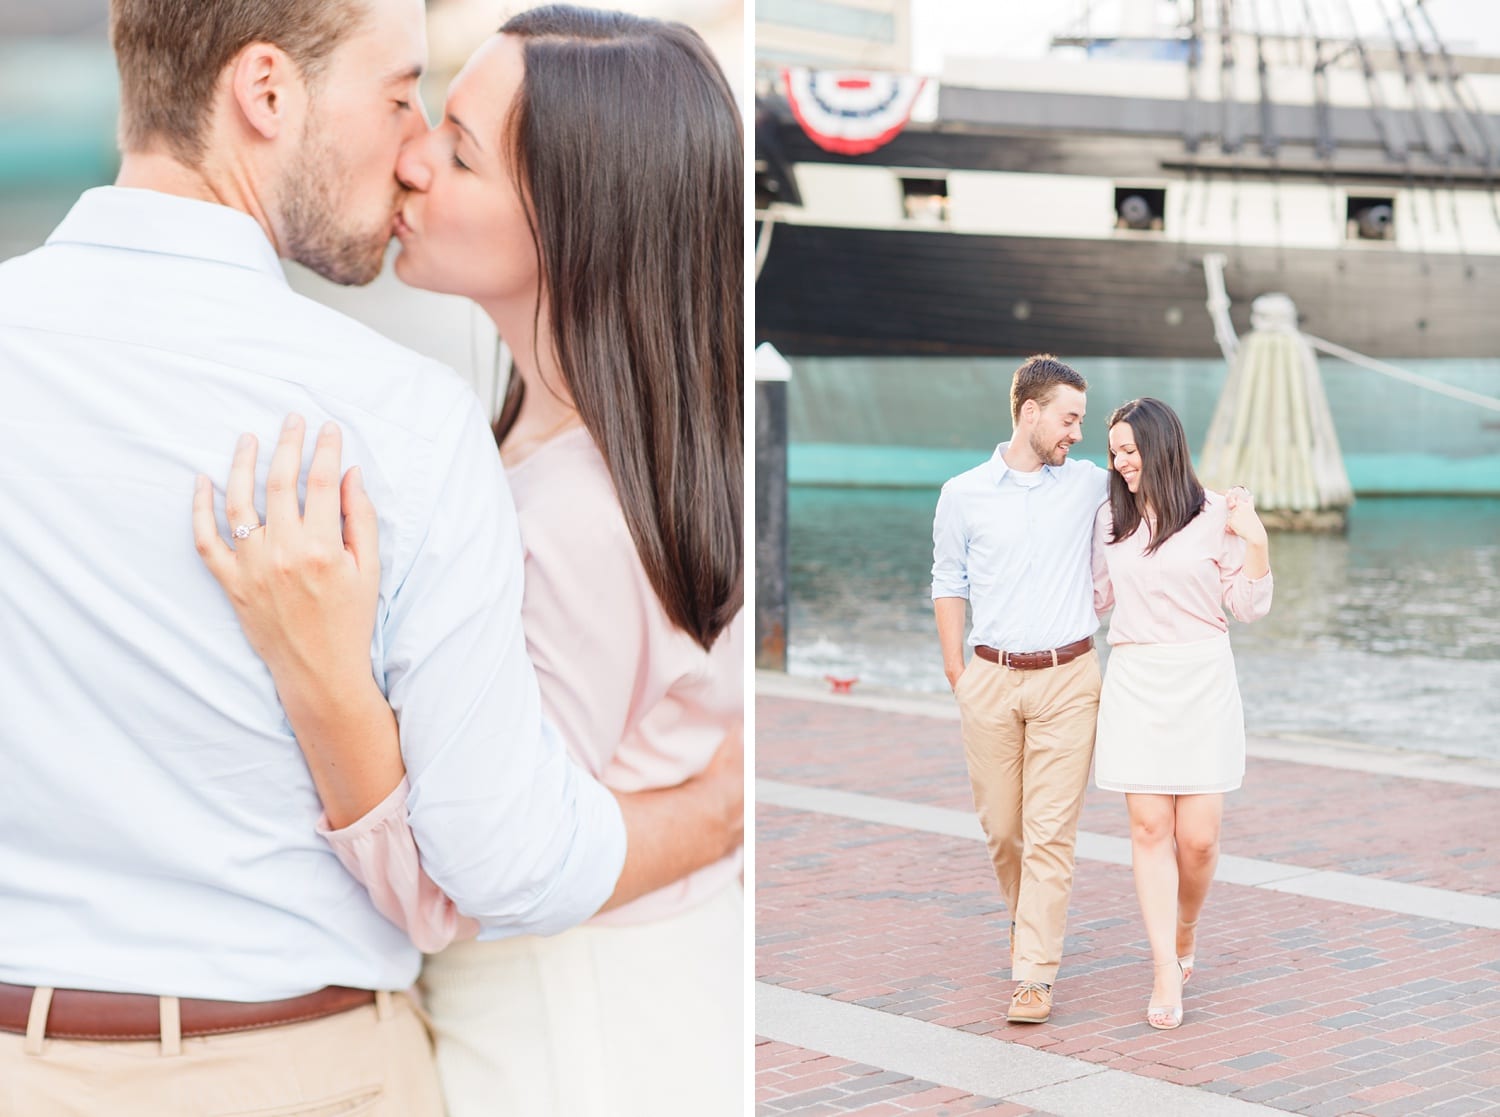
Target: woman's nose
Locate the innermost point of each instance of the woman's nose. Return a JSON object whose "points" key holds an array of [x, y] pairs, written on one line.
{"points": [[413, 165]]}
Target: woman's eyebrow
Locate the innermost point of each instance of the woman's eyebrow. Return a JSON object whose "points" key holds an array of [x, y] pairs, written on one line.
{"points": [[466, 130]]}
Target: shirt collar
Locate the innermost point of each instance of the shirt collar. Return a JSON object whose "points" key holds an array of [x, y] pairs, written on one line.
{"points": [[999, 467], [151, 221]]}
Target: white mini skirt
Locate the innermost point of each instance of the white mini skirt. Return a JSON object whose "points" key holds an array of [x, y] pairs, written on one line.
{"points": [[1170, 720]]}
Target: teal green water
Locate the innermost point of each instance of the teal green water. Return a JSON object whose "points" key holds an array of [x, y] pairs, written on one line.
{"points": [[889, 421], [1387, 636]]}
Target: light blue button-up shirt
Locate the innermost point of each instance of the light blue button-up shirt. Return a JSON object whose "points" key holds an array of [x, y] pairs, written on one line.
{"points": [[1017, 547], [156, 816]]}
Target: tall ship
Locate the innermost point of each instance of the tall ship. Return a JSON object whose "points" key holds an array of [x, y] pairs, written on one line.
{"points": [[1069, 204], [1093, 201]]}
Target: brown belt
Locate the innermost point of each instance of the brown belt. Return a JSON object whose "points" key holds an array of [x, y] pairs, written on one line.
{"points": [[81, 1014], [1033, 661]]}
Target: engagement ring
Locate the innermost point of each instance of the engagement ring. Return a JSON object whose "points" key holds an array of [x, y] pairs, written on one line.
{"points": [[244, 530]]}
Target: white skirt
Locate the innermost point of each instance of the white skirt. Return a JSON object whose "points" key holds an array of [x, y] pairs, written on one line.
{"points": [[1170, 720], [598, 1021]]}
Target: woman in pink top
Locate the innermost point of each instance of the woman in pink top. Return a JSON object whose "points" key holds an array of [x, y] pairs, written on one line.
{"points": [[1168, 556], [584, 188]]}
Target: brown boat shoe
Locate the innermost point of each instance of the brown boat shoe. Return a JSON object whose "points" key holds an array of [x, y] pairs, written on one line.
{"points": [[1030, 1004]]}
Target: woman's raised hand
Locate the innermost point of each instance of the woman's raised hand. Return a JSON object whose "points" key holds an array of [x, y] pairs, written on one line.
{"points": [[1242, 520], [305, 584]]}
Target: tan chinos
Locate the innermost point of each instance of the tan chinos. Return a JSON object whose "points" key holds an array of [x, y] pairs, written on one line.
{"points": [[1029, 739]]}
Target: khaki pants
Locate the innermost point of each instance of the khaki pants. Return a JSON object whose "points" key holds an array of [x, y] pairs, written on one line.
{"points": [[1029, 739], [374, 1061]]}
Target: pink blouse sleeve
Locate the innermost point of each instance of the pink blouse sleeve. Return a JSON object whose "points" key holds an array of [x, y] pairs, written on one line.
{"points": [[1248, 599], [1104, 590], [380, 852]]}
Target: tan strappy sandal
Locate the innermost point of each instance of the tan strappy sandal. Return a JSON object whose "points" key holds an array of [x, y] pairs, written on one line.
{"points": [[1169, 1015], [1186, 960]]}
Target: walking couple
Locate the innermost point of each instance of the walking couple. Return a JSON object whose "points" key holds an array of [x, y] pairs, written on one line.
{"points": [[244, 786], [1040, 546]]}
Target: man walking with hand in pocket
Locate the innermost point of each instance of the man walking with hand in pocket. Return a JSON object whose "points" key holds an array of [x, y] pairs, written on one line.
{"points": [[1012, 539]]}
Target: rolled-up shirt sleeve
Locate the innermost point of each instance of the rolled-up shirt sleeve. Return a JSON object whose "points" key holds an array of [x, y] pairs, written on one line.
{"points": [[514, 832], [379, 851], [1247, 598], [950, 548]]}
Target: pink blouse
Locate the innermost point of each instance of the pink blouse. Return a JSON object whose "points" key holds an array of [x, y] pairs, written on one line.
{"points": [[1176, 595], [638, 701]]}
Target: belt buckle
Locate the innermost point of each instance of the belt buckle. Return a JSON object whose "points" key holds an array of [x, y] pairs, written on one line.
{"points": [[1006, 663]]}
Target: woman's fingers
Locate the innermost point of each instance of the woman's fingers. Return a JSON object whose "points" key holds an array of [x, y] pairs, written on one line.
{"points": [[322, 512], [239, 491], [212, 549], [281, 481], [361, 526]]}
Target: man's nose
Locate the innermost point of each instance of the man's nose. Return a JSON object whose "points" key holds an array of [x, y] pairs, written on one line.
{"points": [[413, 169]]}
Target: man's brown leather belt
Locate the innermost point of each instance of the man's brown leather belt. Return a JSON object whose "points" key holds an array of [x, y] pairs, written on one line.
{"points": [[80, 1014], [1033, 661]]}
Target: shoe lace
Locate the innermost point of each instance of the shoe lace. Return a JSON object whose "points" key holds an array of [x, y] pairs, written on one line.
{"points": [[1026, 989]]}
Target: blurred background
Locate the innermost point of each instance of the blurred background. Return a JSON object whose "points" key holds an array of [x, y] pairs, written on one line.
{"points": [[1118, 182], [58, 99]]}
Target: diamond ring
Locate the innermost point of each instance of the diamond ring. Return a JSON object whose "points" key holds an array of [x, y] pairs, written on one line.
{"points": [[244, 530]]}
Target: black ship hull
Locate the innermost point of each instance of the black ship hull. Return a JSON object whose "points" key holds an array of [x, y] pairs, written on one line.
{"points": [[828, 291]]}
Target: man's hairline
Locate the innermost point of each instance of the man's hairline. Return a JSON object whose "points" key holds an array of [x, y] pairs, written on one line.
{"points": [[1043, 400]]}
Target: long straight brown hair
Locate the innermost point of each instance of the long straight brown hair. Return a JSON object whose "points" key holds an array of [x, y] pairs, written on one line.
{"points": [[626, 144], [1169, 485]]}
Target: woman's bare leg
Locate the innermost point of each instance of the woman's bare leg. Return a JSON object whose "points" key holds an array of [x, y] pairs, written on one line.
{"points": [[1198, 819], [1154, 864]]}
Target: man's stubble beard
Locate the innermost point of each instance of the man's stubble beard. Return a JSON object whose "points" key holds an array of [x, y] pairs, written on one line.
{"points": [[311, 198], [1046, 451]]}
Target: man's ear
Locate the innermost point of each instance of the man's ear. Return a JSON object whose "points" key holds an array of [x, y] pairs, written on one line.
{"points": [[266, 88]]}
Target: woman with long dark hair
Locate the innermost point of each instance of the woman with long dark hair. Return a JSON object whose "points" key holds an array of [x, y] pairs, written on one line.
{"points": [[1168, 557], [584, 188]]}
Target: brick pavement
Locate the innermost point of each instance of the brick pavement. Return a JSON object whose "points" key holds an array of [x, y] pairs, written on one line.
{"points": [[1301, 1004], [1424, 832]]}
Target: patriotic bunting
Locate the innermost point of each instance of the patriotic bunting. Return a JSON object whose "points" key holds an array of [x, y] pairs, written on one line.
{"points": [[851, 113]]}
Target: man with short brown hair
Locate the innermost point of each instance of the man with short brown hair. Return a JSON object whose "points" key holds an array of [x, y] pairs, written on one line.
{"points": [[327, 89], [1012, 539]]}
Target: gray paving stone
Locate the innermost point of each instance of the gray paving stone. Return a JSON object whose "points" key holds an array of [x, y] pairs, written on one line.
{"points": [[1267, 1091], [1251, 1062], [1281, 1008]]}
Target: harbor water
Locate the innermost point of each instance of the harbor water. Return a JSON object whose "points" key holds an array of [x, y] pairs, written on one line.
{"points": [[1388, 636]]}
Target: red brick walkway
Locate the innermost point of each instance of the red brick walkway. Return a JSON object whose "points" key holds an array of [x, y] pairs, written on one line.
{"points": [[1300, 1003]]}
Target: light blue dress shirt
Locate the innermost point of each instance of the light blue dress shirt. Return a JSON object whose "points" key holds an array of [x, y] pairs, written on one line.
{"points": [[1017, 547], [156, 816]]}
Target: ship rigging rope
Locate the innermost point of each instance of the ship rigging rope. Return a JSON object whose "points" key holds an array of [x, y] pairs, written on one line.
{"points": [[1436, 149], [763, 241], [1322, 109], [1218, 309], [1474, 116], [1402, 374], [1390, 136]]}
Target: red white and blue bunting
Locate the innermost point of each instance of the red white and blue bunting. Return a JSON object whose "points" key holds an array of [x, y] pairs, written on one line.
{"points": [[851, 113]]}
